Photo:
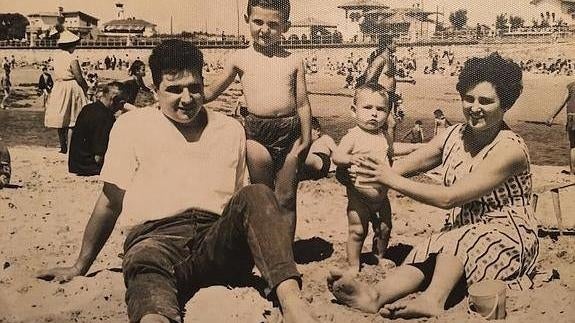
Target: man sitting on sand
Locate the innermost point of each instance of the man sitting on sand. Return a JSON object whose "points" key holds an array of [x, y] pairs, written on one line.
{"points": [[92, 131], [184, 183]]}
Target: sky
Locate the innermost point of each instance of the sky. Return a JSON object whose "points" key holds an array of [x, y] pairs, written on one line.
{"points": [[221, 15]]}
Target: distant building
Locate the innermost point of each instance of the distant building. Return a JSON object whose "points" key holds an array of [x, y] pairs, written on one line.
{"points": [[554, 12], [311, 28], [77, 22], [365, 19], [129, 27]]}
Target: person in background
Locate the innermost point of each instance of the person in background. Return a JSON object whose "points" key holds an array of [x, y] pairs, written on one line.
{"points": [[5, 165], [440, 122], [135, 83], [416, 133], [6, 85], [69, 93], [45, 85], [90, 135], [569, 105]]}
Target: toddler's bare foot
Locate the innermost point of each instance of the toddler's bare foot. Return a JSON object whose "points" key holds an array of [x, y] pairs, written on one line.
{"points": [[420, 306], [351, 292]]}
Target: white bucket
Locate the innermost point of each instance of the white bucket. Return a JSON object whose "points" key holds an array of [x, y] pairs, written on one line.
{"points": [[487, 298]]}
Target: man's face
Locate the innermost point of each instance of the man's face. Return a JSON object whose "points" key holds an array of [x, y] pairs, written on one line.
{"points": [[181, 96], [371, 110], [266, 26]]}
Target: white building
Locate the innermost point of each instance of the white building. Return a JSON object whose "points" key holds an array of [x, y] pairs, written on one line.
{"points": [[77, 22]]}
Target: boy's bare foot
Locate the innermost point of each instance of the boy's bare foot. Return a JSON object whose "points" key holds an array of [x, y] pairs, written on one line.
{"points": [[351, 292], [420, 306]]}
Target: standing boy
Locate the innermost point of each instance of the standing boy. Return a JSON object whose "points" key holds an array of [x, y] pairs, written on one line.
{"points": [[278, 122]]}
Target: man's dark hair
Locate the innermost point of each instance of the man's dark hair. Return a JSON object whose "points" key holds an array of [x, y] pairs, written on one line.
{"points": [[173, 56], [283, 6], [371, 86], [504, 74]]}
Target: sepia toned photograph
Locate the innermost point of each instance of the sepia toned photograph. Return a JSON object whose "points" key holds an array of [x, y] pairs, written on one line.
{"points": [[295, 161]]}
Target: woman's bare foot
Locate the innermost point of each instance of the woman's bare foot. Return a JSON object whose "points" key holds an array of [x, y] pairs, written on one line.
{"points": [[349, 291], [420, 306]]}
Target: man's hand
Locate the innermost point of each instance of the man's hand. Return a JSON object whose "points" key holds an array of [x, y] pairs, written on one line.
{"points": [[59, 274]]}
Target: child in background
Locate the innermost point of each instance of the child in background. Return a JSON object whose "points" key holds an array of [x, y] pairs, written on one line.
{"points": [[366, 203], [278, 123], [92, 81], [416, 133], [6, 84], [45, 85], [440, 122], [5, 169], [318, 162]]}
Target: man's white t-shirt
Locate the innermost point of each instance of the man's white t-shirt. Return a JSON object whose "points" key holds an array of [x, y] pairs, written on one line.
{"points": [[163, 174]]}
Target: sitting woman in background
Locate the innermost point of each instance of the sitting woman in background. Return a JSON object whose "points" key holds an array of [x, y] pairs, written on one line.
{"points": [[135, 83], [490, 231]]}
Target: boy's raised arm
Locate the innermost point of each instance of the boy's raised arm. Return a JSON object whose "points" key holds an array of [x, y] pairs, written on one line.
{"points": [[228, 75], [303, 109]]}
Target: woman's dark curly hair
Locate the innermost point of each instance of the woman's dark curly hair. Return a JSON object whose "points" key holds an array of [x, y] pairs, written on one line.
{"points": [[504, 74]]}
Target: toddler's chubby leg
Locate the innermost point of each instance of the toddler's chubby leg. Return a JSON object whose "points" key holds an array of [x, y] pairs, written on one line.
{"points": [[260, 164], [358, 216], [382, 229]]}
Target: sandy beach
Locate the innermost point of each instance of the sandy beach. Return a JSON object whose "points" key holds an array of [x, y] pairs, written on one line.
{"points": [[44, 211]]}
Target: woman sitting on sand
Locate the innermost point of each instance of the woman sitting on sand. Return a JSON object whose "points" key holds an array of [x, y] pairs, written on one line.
{"points": [[135, 83], [489, 233]]}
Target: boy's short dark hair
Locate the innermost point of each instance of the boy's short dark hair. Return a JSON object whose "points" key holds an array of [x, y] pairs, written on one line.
{"points": [[172, 56], [374, 87], [283, 6], [437, 111], [315, 124], [419, 122]]}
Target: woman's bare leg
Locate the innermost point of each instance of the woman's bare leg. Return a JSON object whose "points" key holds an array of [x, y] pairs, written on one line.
{"points": [[448, 271], [400, 282]]}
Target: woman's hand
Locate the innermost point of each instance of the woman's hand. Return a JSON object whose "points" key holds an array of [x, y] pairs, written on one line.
{"points": [[376, 171]]}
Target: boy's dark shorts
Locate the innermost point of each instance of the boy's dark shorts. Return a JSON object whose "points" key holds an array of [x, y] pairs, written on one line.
{"points": [[277, 134]]}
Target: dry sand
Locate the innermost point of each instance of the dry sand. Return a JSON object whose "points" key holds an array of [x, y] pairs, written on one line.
{"points": [[42, 217]]}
